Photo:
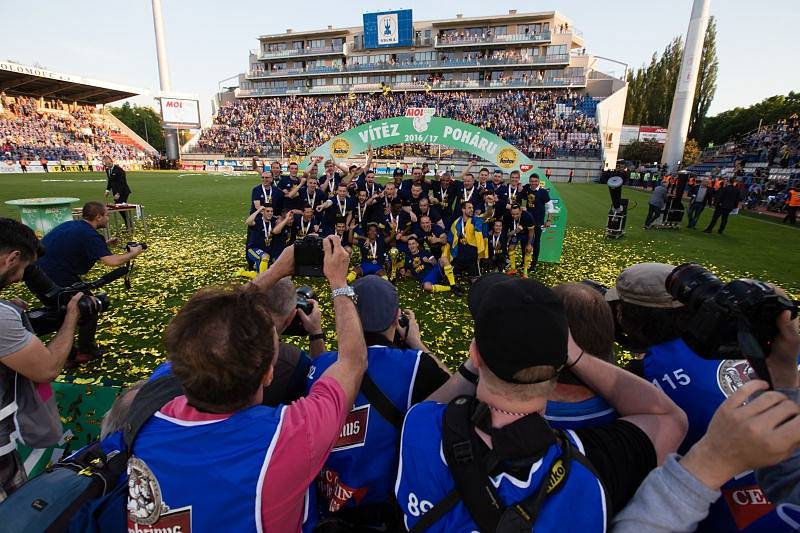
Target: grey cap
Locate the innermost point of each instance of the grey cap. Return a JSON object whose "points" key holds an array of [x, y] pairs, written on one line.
{"points": [[377, 303], [644, 285]]}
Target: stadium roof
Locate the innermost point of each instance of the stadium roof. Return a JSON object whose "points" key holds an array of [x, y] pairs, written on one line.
{"points": [[24, 80]]}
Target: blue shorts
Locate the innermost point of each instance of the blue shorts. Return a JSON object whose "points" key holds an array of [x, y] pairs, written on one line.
{"points": [[368, 268], [434, 276]]}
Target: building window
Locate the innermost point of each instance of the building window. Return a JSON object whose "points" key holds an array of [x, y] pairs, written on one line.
{"points": [[337, 42], [297, 45], [424, 56], [316, 43], [500, 30], [358, 42], [358, 60]]}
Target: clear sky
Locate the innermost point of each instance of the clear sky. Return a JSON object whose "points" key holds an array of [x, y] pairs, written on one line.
{"points": [[208, 40]]}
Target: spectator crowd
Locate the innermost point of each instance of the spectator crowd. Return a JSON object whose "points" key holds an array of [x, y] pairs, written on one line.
{"points": [[57, 132], [542, 124]]}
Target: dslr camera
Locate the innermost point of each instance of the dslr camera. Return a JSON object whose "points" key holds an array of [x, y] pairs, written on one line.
{"points": [[49, 318], [309, 256], [731, 320], [303, 295], [131, 244]]}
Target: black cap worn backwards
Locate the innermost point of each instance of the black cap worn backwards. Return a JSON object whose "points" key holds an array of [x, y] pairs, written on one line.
{"points": [[519, 323]]}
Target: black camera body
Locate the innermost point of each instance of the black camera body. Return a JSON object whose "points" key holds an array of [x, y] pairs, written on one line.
{"points": [[732, 320], [309, 256], [131, 244], [303, 295], [49, 318]]}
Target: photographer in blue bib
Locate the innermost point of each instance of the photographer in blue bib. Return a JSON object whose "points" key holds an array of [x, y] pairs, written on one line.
{"points": [[355, 485], [489, 461], [686, 322]]}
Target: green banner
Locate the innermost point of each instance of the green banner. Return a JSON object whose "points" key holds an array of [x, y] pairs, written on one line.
{"points": [[422, 127], [81, 407]]}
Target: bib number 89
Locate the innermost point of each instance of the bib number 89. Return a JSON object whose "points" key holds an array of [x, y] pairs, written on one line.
{"points": [[417, 507]]}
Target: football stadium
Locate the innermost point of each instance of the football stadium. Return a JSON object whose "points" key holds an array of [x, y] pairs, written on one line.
{"points": [[340, 295]]}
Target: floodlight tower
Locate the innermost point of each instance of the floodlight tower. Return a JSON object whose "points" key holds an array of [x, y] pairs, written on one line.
{"points": [[687, 81], [170, 134]]}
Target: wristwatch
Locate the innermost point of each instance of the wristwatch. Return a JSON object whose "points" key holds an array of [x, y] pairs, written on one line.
{"points": [[347, 290]]}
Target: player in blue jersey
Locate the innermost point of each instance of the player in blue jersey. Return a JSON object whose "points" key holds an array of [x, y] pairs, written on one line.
{"points": [[374, 248], [425, 268], [266, 237]]}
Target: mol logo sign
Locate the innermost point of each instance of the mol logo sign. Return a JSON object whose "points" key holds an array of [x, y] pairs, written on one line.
{"points": [[180, 112], [422, 117]]}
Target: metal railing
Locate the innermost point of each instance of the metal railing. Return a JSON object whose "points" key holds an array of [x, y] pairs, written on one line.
{"points": [[294, 52], [417, 65], [443, 85], [445, 41]]}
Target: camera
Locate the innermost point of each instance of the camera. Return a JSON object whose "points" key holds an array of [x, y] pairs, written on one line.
{"points": [[308, 256], [131, 244], [302, 303], [49, 318], [729, 320]]}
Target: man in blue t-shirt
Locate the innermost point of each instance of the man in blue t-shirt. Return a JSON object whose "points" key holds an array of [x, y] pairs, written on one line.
{"points": [[540, 207], [72, 249], [425, 268], [266, 194]]}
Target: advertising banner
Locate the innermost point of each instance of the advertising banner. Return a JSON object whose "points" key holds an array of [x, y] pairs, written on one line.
{"points": [[388, 29], [628, 135], [180, 113], [653, 133], [422, 127]]}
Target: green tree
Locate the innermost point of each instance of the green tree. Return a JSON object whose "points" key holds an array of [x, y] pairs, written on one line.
{"points": [[691, 152], [644, 152], [739, 121], [651, 88], [145, 122], [706, 81]]}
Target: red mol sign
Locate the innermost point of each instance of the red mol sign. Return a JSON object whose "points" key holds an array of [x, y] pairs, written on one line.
{"points": [[420, 111], [174, 103]]}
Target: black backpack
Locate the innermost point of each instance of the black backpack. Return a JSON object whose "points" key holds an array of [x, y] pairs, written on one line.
{"points": [[50, 501], [470, 470]]}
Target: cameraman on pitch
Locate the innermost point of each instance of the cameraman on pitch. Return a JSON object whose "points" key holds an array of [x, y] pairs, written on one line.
{"points": [[21, 352], [73, 248], [654, 322]]}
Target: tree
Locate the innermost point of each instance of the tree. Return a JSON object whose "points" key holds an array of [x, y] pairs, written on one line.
{"points": [[706, 81], [652, 88], [145, 122], [643, 152], [739, 120], [691, 153]]}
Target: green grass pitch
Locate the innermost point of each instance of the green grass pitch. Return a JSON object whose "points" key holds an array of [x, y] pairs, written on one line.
{"points": [[196, 237]]}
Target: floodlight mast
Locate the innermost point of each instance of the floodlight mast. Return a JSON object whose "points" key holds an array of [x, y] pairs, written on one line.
{"points": [[170, 134], [687, 82]]}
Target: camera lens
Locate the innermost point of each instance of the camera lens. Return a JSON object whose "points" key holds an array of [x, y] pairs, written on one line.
{"points": [[692, 284]]}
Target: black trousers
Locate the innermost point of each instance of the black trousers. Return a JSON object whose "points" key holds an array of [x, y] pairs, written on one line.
{"points": [[719, 212], [694, 213], [791, 214], [466, 260], [123, 199], [537, 244], [652, 214]]}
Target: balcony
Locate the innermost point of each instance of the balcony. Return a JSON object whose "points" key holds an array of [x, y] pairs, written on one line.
{"points": [[466, 41], [302, 52], [415, 66], [443, 85]]}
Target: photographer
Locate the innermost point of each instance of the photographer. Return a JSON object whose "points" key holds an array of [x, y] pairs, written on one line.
{"points": [[488, 459], [250, 465], [22, 355], [654, 323], [73, 248], [574, 405], [292, 363], [356, 482]]}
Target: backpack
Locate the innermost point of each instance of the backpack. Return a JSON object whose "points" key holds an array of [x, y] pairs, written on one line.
{"points": [[88, 485], [470, 471]]}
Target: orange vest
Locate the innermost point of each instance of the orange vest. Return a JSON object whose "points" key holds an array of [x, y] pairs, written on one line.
{"points": [[794, 199]]}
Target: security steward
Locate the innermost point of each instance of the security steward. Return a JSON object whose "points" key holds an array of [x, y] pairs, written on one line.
{"points": [[792, 205], [356, 483]]}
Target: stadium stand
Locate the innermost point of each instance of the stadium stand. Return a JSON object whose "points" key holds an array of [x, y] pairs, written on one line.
{"points": [[543, 124], [33, 128]]}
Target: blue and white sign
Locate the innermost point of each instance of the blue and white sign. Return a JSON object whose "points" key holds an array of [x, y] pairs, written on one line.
{"points": [[388, 29]]}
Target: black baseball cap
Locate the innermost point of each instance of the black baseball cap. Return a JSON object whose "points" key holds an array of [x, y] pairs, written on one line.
{"points": [[398, 172], [377, 303], [519, 323]]}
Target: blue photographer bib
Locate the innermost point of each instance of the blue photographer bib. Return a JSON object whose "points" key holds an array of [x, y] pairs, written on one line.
{"points": [[588, 413], [363, 463], [423, 480], [206, 474], [699, 386]]}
